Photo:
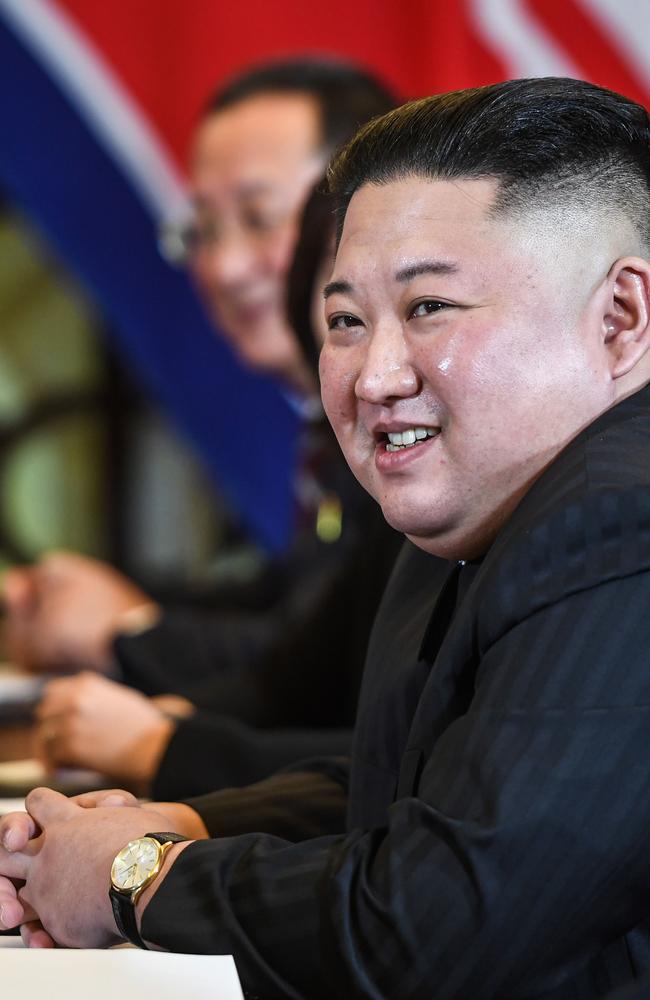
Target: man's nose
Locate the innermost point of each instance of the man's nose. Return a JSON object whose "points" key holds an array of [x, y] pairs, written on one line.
{"points": [[387, 370], [231, 259]]}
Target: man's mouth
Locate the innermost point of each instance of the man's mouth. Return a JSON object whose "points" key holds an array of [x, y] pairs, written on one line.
{"points": [[409, 438], [252, 310]]}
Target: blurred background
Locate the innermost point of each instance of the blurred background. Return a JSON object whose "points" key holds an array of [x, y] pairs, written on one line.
{"points": [[127, 430]]}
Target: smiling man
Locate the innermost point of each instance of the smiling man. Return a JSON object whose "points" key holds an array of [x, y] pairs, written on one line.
{"points": [[486, 371], [256, 154], [452, 373]]}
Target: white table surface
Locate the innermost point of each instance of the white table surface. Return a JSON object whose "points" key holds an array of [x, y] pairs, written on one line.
{"points": [[127, 973], [11, 805]]}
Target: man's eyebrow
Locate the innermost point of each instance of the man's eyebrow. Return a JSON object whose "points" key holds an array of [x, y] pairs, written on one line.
{"points": [[337, 287], [412, 271], [247, 189], [404, 275]]}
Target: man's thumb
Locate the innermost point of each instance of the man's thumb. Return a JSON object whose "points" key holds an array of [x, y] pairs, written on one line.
{"points": [[45, 805]]}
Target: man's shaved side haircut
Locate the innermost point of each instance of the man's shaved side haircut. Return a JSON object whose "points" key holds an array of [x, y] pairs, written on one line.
{"points": [[346, 95], [548, 142]]}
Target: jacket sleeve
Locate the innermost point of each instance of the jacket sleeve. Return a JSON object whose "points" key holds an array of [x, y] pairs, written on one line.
{"points": [[296, 665], [306, 800], [521, 853], [188, 647], [208, 752]]}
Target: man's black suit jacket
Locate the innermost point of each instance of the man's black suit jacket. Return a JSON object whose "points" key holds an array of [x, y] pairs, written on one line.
{"points": [[497, 841]]}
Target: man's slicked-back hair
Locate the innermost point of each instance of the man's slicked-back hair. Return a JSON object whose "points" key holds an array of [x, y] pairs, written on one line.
{"points": [[346, 95], [546, 141]]}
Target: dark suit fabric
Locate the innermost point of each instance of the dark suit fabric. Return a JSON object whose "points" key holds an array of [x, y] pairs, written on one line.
{"points": [[209, 751], [318, 602], [640, 990], [281, 682], [496, 843]]}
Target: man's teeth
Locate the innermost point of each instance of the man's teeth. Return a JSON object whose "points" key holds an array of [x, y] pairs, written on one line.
{"points": [[406, 439]]}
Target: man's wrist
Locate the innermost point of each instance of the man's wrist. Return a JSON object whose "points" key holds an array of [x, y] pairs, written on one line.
{"points": [[145, 898], [182, 819], [127, 625], [150, 749]]}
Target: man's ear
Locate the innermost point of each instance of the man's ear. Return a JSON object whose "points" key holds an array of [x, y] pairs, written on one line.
{"points": [[626, 319]]}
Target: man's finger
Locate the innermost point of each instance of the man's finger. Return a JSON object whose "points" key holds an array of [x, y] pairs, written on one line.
{"points": [[52, 741], [55, 697], [29, 913], [14, 908], [50, 754], [35, 936], [11, 914], [16, 830], [13, 865], [57, 565], [44, 804], [18, 590], [11, 910], [105, 797]]}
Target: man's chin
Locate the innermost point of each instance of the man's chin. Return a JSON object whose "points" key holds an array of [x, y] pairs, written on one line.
{"points": [[250, 351], [413, 531], [435, 537], [409, 522]]}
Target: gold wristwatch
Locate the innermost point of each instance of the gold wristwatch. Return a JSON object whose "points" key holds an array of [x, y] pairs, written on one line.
{"points": [[134, 868]]}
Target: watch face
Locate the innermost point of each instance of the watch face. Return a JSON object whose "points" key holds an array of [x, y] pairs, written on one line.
{"points": [[135, 863]]}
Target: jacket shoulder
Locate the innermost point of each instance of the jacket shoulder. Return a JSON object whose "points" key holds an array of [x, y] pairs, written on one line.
{"points": [[585, 522]]}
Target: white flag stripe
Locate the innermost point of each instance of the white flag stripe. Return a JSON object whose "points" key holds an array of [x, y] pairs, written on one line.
{"points": [[105, 105], [519, 41], [627, 23]]}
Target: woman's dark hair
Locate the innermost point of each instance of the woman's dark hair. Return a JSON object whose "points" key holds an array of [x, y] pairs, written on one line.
{"points": [[314, 241], [546, 141], [346, 95]]}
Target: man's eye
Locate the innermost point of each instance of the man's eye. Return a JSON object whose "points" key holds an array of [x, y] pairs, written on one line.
{"points": [[264, 222], [259, 223], [344, 321], [201, 232], [427, 308]]}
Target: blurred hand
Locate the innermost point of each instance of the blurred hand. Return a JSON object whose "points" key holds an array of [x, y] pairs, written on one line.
{"points": [[91, 722], [64, 612], [174, 705]]}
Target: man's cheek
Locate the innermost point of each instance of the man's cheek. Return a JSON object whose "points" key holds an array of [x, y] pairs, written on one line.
{"points": [[328, 389], [324, 367]]}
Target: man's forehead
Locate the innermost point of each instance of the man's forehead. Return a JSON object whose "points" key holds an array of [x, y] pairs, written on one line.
{"points": [[270, 128], [257, 188], [413, 218], [389, 225], [413, 204]]}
